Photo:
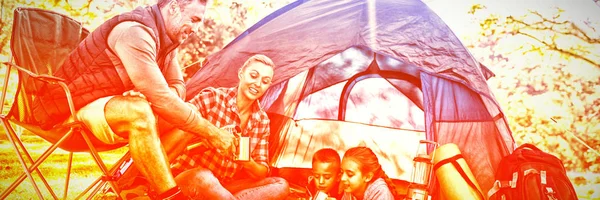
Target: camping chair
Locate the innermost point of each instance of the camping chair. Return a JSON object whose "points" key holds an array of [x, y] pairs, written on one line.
{"points": [[41, 41]]}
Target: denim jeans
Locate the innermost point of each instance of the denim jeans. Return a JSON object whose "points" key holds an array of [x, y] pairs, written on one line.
{"points": [[201, 183]]}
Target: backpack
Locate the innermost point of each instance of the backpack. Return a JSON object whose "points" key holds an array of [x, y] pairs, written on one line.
{"points": [[529, 173]]}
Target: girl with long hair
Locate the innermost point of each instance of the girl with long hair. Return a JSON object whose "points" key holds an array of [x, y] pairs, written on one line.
{"points": [[363, 178]]}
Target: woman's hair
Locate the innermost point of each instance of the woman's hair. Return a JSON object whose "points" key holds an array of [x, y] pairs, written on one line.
{"points": [[368, 163], [258, 58], [327, 155]]}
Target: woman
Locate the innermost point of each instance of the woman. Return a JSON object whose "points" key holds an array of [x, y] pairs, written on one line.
{"points": [[209, 174], [363, 178]]}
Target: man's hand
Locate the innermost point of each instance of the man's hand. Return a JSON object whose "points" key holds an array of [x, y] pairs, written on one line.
{"points": [[225, 143], [133, 93]]}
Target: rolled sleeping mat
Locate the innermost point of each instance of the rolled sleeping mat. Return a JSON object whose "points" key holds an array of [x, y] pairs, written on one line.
{"points": [[454, 175]]}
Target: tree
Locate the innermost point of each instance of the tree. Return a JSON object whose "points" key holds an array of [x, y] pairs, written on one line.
{"points": [[549, 83], [225, 21], [214, 35]]}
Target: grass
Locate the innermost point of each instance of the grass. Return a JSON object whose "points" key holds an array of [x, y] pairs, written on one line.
{"points": [[83, 172]]}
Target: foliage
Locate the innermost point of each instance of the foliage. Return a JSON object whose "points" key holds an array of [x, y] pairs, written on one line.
{"points": [[224, 21], [215, 34], [547, 81], [548, 84]]}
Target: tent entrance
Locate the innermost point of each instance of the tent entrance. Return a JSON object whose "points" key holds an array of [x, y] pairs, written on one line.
{"points": [[354, 85], [354, 98]]}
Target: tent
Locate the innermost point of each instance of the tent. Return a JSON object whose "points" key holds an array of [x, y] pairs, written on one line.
{"points": [[382, 73]]}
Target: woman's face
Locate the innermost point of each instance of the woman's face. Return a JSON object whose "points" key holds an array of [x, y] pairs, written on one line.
{"points": [[255, 79], [353, 180]]}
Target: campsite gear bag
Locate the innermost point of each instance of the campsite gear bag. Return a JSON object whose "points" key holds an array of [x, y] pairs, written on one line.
{"points": [[422, 171], [529, 173], [455, 178]]}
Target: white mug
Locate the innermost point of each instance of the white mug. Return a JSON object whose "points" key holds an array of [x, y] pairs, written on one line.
{"points": [[320, 196], [243, 151]]}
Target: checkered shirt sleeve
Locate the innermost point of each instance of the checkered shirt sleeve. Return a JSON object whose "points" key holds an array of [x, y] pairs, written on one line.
{"points": [[260, 142]]}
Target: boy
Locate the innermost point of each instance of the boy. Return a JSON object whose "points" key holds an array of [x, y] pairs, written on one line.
{"points": [[325, 174]]}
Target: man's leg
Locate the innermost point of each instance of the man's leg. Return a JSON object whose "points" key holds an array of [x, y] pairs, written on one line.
{"points": [[132, 117], [201, 183], [267, 188]]}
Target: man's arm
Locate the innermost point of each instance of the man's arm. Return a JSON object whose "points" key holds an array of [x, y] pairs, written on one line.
{"points": [[174, 76], [136, 49]]}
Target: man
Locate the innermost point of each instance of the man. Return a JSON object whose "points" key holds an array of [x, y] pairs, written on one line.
{"points": [[214, 176], [124, 77], [325, 174]]}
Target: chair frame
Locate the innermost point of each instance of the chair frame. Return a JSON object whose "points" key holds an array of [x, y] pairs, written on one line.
{"points": [[108, 176]]}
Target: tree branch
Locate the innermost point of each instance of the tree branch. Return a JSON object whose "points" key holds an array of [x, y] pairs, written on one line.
{"points": [[572, 29], [554, 47]]}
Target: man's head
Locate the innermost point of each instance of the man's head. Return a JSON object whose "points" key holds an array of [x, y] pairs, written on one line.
{"points": [[255, 76], [182, 17], [326, 169]]}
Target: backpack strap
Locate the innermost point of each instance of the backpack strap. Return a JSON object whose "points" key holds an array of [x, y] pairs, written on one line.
{"points": [[529, 146], [498, 185], [548, 186], [460, 170]]}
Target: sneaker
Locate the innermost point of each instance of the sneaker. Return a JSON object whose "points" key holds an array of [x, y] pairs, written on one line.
{"points": [[138, 192]]}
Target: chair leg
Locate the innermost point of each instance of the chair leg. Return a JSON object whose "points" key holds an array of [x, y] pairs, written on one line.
{"points": [[27, 171], [100, 182], [68, 175], [100, 163], [41, 159], [113, 172], [22, 161], [96, 184]]}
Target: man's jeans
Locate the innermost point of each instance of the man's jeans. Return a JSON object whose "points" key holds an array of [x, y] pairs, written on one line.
{"points": [[201, 183]]}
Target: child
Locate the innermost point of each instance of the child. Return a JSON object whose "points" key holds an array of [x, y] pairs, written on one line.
{"points": [[363, 178], [325, 173]]}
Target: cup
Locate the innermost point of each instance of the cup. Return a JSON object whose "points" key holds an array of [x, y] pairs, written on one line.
{"points": [[320, 196], [243, 151]]}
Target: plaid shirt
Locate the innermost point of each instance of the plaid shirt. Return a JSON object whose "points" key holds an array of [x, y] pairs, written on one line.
{"points": [[218, 106]]}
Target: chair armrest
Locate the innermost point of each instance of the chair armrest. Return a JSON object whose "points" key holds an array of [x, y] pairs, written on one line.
{"points": [[47, 79], [42, 77]]}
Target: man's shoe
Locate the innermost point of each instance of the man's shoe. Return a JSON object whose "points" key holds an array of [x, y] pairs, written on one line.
{"points": [[138, 192], [173, 194]]}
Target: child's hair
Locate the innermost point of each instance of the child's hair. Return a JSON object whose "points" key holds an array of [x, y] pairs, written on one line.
{"points": [[327, 155], [368, 163]]}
